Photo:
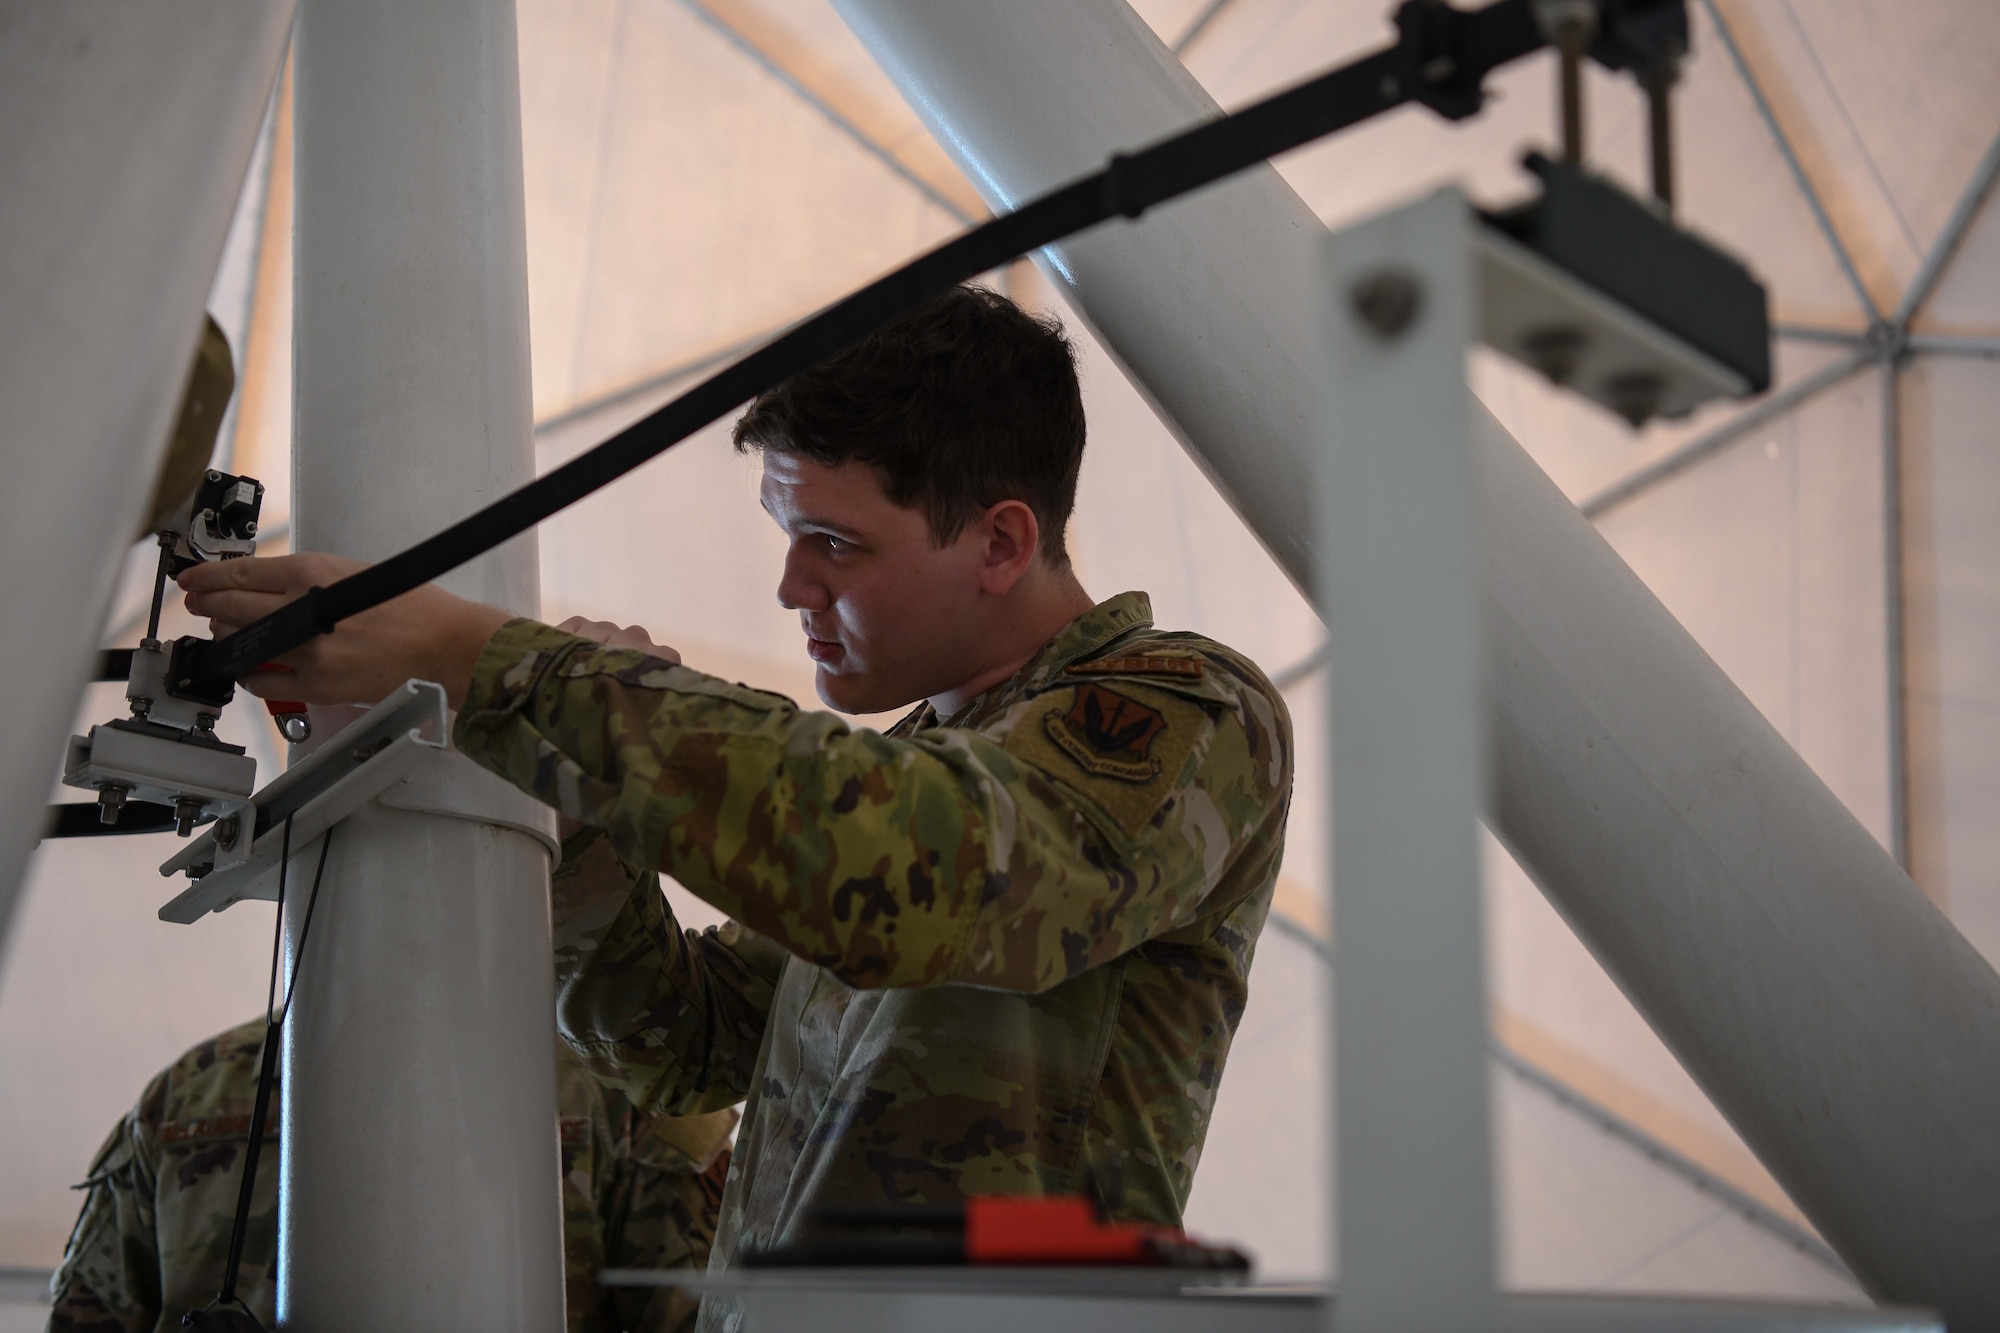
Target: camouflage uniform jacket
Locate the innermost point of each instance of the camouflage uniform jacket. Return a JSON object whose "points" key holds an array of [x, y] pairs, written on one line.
{"points": [[989, 951], [639, 1191]]}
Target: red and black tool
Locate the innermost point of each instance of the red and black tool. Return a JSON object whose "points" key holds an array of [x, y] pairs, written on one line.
{"points": [[294, 723], [1040, 1231]]}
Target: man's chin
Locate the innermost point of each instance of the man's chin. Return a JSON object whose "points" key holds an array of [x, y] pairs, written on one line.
{"points": [[834, 691], [852, 694]]}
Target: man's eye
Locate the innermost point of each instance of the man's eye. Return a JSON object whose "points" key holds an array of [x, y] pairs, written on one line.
{"points": [[833, 544]]}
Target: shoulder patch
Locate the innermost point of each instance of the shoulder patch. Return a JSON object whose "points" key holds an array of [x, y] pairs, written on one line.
{"points": [[1110, 734], [1188, 668], [1121, 750]]}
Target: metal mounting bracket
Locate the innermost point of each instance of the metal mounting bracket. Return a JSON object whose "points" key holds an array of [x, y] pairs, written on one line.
{"points": [[1583, 340], [229, 863], [397, 755]]}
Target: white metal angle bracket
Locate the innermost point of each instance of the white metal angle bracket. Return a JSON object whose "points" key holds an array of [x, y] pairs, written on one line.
{"points": [[235, 860]]}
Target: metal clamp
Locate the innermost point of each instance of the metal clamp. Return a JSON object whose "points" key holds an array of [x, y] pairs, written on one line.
{"points": [[1585, 341], [396, 755], [232, 860]]}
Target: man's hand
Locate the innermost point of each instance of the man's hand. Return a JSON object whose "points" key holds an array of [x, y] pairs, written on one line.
{"points": [[613, 636], [429, 633]]}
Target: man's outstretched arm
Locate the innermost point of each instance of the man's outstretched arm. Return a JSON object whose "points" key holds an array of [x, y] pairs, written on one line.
{"points": [[994, 858], [990, 859]]}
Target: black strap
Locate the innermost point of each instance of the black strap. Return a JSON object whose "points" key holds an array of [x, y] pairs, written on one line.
{"points": [[1440, 59]]}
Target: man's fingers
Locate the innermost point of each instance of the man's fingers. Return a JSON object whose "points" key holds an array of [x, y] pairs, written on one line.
{"points": [[285, 575], [637, 638], [234, 606], [272, 574], [597, 631], [613, 635]]}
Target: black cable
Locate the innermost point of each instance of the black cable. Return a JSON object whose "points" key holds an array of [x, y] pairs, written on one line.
{"points": [[1441, 60], [274, 1022], [305, 929]]}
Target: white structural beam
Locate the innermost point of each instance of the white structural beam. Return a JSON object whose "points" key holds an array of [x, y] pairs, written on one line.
{"points": [[1842, 1024], [420, 1167], [128, 132], [1396, 495]]}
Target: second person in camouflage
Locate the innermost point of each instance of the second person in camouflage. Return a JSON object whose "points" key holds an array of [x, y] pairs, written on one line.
{"points": [[1000, 947], [152, 1241]]}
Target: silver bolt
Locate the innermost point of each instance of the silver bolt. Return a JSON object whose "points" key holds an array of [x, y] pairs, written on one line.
{"points": [[186, 810], [1387, 300], [226, 829], [111, 801], [295, 727]]}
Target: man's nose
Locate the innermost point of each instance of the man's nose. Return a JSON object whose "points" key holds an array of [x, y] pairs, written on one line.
{"points": [[798, 590]]}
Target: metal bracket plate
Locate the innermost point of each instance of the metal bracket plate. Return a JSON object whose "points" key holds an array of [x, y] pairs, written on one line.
{"points": [[1536, 313], [159, 769], [370, 755]]}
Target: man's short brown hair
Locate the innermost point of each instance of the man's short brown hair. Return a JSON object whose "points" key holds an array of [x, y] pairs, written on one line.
{"points": [[961, 403]]}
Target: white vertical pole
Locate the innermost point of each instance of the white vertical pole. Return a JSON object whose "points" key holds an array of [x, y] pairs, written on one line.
{"points": [[124, 135], [1396, 502], [420, 1186]]}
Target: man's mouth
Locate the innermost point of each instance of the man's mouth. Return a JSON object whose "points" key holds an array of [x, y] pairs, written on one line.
{"points": [[824, 651]]}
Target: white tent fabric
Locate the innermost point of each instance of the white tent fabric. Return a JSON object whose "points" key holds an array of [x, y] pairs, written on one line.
{"points": [[701, 172]]}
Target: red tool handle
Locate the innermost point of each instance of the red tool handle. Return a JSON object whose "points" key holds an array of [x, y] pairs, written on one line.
{"points": [[293, 722], [1052, 1229]]}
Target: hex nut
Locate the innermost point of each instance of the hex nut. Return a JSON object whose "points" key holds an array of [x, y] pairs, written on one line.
{"points": [[1388, 301]]}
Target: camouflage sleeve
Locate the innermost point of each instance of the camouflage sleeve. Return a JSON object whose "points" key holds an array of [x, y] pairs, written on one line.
{"points": [[109, 1279], [1088, 819], [672, 1018]]}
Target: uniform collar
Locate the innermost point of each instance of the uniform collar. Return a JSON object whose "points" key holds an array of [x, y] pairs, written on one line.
{"points": [[1081, 639]]}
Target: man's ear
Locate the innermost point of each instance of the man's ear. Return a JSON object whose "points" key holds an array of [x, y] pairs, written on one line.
{"points": [[1013, 539]]}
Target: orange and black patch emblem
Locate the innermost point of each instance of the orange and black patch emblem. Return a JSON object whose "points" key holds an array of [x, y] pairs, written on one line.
{"points": [[1109, 734]]}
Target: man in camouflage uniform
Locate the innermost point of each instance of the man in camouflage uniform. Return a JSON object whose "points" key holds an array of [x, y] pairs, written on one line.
{"points": [[1001, 948], [639, 1191]]}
